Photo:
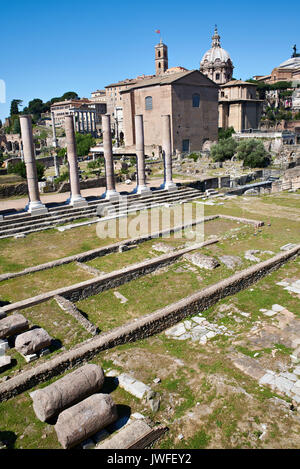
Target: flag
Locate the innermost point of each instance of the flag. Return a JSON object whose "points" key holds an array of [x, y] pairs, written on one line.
{"points": [[157, 31]]}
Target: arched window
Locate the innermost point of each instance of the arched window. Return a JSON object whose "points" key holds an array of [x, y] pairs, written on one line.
{"points": [[148, 103], [196, 100], [217, 76], [159, 53]]}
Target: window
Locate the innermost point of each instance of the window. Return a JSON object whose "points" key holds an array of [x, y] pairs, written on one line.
{"points": [[196, 100], [148, 103], [158, 53], [217, 76], [185, 145]]}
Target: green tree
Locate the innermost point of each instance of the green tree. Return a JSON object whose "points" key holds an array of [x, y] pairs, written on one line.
{"points": [[83, 143], [20, 169], [253, 153], [225, 133], [224, 150], [14, 107], [35, 107]]}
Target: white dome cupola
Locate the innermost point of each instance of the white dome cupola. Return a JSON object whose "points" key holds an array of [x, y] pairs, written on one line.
{"points": [[216, 63]]}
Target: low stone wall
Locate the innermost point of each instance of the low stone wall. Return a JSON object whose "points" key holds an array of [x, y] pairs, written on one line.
{"points": [[71, 309], [247, 221], [145, 326], [98, 252], [9, 190], [84, 184], [82, 290]]}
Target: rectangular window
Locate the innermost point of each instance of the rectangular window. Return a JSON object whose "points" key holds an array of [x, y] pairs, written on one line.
{"points": [[186, 145]]}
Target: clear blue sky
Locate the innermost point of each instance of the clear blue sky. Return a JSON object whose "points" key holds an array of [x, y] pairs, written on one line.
{"points": [[52, 47]]}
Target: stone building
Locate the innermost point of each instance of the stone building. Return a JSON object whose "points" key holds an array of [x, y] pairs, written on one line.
{"points": [[190, 98], [238, 106], [87, 114], [216, 63]]}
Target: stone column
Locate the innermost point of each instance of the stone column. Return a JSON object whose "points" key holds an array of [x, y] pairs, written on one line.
{"points": [[56, 165], [54, 139], [75, 198], [111, 192], [35, 205], [139, 139], [167, 153]]}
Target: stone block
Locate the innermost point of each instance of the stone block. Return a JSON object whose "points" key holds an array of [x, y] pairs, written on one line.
{"points": [[30, 357], [32, 341], [12, 325], [5, 361], [277, 308], [127, 436], [176, 331], [134, 387], [231, 261], [81, 421], [202, 261], [3, 347]]}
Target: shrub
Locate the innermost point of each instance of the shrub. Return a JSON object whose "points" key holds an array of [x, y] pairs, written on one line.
{"points": [[63, 177], [224, 150], [194, 156], [253, 154], [20, 169], [225, 133]]}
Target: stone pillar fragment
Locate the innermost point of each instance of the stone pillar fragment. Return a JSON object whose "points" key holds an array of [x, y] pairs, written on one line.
{"points": [[12, 325], [111, 192], [167, 153], [35, 205], [76, 198], [67, 391], [83, 420], [139, 139]]}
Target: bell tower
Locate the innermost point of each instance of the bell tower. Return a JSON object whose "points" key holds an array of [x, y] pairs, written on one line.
{"points": [[161, 58]]}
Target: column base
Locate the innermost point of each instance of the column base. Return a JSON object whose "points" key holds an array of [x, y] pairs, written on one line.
{"points": [[36, 208], [143, 190], [170, 186], [78, 201], [111, 195]]}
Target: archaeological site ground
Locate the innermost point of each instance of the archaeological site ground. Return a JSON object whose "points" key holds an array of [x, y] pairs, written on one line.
{"points": [[199, 341]]}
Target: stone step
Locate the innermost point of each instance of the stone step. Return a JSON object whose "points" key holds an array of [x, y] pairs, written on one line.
{"points": [[34, 224]]}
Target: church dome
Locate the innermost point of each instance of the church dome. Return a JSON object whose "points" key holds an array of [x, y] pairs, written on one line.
{"points": [[215, 53], [216, 62]]}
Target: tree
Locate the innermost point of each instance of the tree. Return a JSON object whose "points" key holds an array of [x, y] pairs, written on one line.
{"points": [[83, 143], [253, 153], [225, 133], [14, 107], [20, 168], [224, 150], [35, 107]]}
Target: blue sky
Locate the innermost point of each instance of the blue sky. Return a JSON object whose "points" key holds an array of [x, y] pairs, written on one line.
{"points": [[52, 47]]}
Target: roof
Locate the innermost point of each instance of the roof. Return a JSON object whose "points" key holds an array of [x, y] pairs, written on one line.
{"points": [[167, 79], [237, 83]]}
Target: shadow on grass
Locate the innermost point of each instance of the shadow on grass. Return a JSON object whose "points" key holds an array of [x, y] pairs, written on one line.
{"points": [[8, 439]]}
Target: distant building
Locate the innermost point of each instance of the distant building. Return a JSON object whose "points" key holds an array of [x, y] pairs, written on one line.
{"points": [[87, 114], [190, 98], [238, 106]]}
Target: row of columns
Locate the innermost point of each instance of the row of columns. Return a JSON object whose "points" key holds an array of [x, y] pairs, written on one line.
{"points": [[35, 205], [85, 121]]}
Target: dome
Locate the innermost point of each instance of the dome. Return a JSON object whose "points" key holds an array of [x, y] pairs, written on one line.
{"points": [[216, 63], [215, 53]]}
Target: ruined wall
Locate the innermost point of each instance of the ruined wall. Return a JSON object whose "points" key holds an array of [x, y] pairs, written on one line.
{"points": [[145, 326]]}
